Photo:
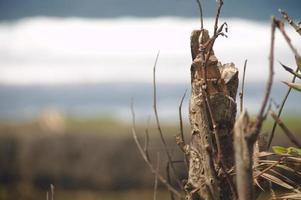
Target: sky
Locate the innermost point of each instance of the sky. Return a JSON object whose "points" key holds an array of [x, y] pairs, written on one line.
{"points": [[247, 9]]}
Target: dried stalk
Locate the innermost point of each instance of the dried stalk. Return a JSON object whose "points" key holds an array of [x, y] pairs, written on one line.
{"points": [[180, 117], [246, 134], [181, 127], [201, 13], [256, 128], [290, 21], [158, 123], [243, 158], [147, 161], [294, 50], [169, 179], [156, 177], [241, 94], [285, 129]]}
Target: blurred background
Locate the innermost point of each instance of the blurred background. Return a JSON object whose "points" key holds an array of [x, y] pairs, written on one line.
{"points": [[68, 71]]}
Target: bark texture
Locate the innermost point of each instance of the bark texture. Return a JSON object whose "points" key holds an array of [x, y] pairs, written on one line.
{"points": [[206, 180]]}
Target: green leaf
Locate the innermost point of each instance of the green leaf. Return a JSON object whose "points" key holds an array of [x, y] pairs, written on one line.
{"points": [[290, 70], [294, 151], [296, 86], [279, 149], [298, 62]]}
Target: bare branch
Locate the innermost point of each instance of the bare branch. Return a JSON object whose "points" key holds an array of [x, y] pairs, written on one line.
{"points": [[180, 116], [181, 126], [241, 94], [219, 7], [158, 121], [253, 134], [169, 179], [288, 133], [280, 26], [290, 21], [201, 13], [294, 50], [271, 73], [151, 167], [146, 140], [156, 177]]}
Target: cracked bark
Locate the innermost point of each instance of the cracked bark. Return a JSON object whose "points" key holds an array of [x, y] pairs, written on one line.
{"points": [[205, 178]]}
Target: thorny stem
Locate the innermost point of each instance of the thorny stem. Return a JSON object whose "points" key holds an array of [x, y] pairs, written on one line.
{"points": [[158, 122], [241, 94]]}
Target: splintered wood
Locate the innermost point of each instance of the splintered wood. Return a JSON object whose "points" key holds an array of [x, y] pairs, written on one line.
{"points": [[212, 111]]}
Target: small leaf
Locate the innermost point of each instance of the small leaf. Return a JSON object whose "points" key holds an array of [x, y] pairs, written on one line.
{"points": [[298, 62], [294, 151], [279, 149], [290, 70], [296, 86]]}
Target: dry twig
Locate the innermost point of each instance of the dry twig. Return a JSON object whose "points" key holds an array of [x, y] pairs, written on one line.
{"points": [[290, 21], [201, 12], [180, 116], [241, 94], [147, 161], [285, 129], [280, 26], [156, 177], [158, 123]]}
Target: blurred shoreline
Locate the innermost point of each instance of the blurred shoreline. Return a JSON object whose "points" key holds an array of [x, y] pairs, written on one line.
{"points": [[112, 100]]}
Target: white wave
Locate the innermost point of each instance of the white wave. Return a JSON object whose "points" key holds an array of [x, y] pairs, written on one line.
{"points": [[73, 50]]}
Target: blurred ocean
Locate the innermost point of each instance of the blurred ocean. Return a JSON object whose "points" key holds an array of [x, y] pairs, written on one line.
{"points": [[23, 102], [92, 67]]}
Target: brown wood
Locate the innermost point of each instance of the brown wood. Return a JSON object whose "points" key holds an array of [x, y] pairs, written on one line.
{"points": [[206, 180]]}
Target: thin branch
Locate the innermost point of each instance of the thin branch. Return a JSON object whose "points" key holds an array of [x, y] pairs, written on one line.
{"points": [[219, 7], [151, 167], [280, 26], [146, 140], [169, 179], [158, 121], [290, 21], [180, 116], [241, 94], [261, 115], [271, 73], [156, 177], [294, 50], [201, 13], [181, 125], [288, 133]]}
